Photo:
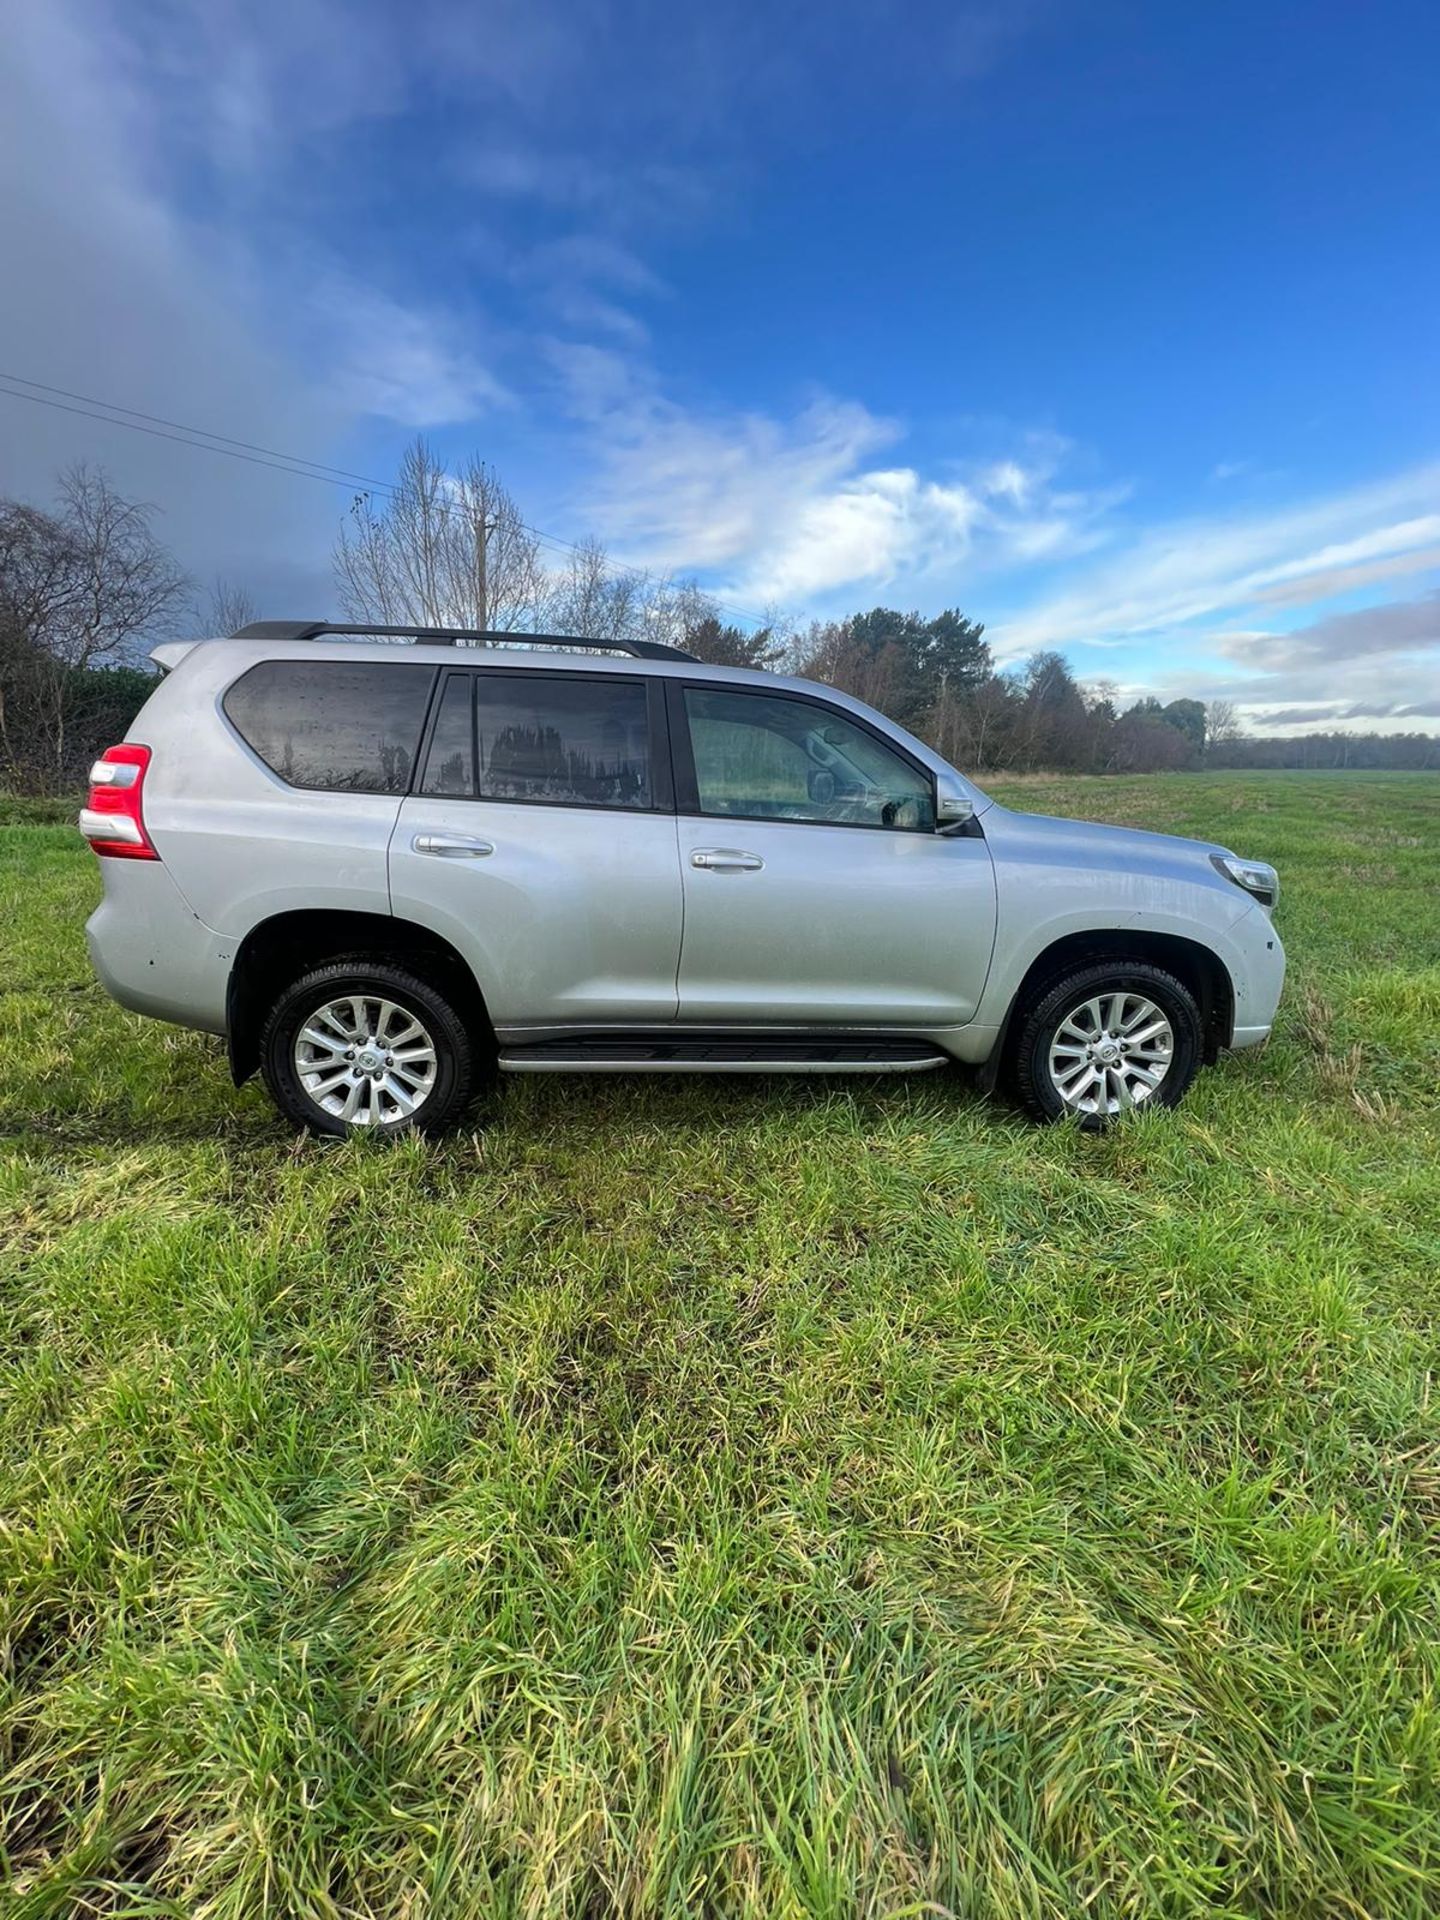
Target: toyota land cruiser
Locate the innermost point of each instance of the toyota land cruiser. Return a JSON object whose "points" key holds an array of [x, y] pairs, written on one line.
{"points": [[384, 862]]}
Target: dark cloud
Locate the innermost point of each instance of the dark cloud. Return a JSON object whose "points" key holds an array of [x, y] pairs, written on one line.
{"points": [[1400, 626], [109, 292], [1343, 713], [1374, 667]]}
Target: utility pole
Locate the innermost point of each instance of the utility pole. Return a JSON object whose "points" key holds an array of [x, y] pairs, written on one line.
{"points": [[482, 572]]}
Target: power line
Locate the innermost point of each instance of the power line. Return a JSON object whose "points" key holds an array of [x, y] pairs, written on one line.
{"points": [[86, 413], [296, 460], [206, 441]]}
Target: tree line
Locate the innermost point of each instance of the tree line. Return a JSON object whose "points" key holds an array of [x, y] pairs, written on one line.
{"points": [[87, 586]]}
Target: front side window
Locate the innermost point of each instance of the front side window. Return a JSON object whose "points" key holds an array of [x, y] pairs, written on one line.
{"points": [[349, 726], [542, 737], [764, 756]]}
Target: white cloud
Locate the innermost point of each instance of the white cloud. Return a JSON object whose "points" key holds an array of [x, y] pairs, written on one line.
{"points": [[1162, 581], [580, 281], [131, 295], [792, 510], [1376, 668], [1332, 581], [400, 363], [592, 259]]}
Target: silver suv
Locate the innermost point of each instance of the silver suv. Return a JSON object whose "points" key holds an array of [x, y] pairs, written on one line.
{"points": [[384, 870]]}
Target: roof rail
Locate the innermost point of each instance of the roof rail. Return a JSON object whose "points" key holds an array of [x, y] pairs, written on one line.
{"points": [[454, 637]]}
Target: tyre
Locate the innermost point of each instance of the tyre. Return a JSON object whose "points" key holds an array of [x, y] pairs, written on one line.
{"points": [[365, 1045], [1104, 1039]]}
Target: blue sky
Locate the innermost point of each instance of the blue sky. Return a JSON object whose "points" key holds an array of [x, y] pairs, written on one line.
{"points": [[1114, 324]]}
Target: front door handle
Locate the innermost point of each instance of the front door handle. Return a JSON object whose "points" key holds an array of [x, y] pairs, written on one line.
{"points": [[452, 846], [726, 860]]}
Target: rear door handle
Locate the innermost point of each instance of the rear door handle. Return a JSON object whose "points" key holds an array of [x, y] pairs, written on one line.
{"points": [[726, 860], [452, 846]]}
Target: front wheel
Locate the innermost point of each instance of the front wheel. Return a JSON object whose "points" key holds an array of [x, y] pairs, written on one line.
{"points": [[1105, 1039], [366, 1046]]}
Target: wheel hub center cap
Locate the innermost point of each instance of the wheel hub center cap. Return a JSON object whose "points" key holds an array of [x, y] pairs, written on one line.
{"points": [[369, 1060], [1108, 1052]]}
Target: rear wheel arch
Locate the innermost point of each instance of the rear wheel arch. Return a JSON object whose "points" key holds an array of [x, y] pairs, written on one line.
{"points": [[1196, 966], [287, 945]]}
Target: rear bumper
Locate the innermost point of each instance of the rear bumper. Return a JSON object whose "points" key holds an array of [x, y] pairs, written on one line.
{"points": [[151, 952]]}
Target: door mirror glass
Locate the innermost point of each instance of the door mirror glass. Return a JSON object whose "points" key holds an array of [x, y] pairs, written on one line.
{"points": [[954, 809]]}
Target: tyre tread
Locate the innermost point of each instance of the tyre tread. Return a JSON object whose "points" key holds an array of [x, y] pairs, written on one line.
{"points": [[397, 980], [1027, 1079]]}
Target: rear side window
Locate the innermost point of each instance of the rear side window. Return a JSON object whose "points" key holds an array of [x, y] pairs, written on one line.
{"points": [[542, 737], [350, 726], [450, 762]]}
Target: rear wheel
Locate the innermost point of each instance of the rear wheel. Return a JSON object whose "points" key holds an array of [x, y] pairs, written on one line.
{"points": [[367, 1046], [1105, 1039]]}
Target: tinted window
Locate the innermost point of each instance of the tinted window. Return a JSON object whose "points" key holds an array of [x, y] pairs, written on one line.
{"points": [[581, 742], [354, 726], [450, 763], [767, 757]]}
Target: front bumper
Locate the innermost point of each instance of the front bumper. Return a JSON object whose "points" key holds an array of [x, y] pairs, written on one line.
{"points": [[1257, 974]]}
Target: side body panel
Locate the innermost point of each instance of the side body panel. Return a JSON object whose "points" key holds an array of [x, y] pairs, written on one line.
{"points": [[838, 927], [796, 921], [1055, 878], [573, 918]]}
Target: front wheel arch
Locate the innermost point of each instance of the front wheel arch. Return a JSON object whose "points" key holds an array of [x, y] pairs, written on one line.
{"points": [[1198, 967], [1157, 1076]]}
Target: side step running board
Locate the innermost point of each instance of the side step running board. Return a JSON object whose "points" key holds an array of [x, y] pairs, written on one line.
{"points": [[703, 1053]]}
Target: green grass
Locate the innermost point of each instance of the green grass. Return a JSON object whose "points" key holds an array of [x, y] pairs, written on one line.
{"points": [[746, 1498]]}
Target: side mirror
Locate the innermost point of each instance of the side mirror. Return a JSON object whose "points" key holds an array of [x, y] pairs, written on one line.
{"points": [[954, 809]]}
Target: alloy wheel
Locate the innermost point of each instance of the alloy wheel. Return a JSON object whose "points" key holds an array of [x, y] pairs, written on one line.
{"points": [[1111, 1052], [365, 1060]]}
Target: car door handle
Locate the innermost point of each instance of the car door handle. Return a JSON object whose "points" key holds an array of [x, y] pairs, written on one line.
{"points": [[726, 860], [452, 846]]}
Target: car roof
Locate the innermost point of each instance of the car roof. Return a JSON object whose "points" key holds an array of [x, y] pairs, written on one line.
{"points": [[453, 636], [295, 640]]}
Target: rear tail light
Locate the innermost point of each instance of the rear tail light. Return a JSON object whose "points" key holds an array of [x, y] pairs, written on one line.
{"points": [[113, 820]]}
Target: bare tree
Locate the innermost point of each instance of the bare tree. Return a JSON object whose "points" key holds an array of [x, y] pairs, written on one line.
{"points": [[79, 589], [228, 607], [1222, 723], [443, 549], [123, 582], [671, 609], [988, 715], [831, 650], [591, 599]]}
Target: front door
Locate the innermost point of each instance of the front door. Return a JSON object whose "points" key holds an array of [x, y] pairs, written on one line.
{"points": [[540, 842], [817, 891]]}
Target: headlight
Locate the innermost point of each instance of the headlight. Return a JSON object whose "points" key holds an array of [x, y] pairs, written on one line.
{"points": [[1255, 876]]}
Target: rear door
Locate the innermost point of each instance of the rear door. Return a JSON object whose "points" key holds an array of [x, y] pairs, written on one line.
{"points": [[539, 838], [817, 891]]}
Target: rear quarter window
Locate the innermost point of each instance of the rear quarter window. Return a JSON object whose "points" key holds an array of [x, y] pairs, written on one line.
{"points": [[345, 726]]}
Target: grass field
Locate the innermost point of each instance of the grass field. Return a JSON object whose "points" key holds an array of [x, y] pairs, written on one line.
{"points": [[744, 1498]]}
